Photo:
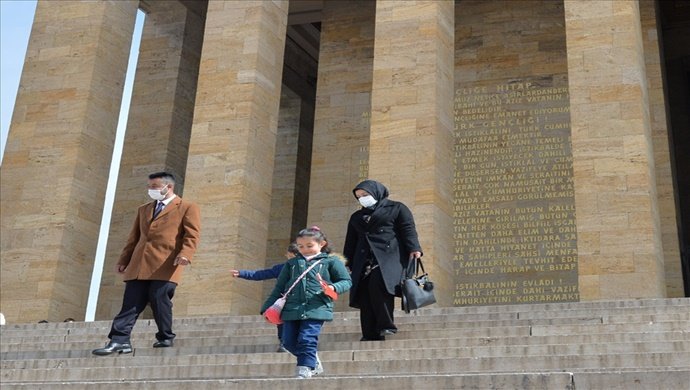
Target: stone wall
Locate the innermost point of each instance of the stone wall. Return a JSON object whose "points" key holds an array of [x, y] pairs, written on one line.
{"points": [[514, 215], [661, 149], [619, 237], [158, 127], [552, 181], [231, 152], [55, 169]]}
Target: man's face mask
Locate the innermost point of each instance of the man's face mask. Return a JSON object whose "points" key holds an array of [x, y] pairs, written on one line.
{"points": [[155, 194]]}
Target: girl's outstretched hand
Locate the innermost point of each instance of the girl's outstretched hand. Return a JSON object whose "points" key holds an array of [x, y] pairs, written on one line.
{"points": [[235, 273]]}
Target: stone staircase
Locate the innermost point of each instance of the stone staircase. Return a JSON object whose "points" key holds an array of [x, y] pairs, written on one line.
{"points": [[627, 344]]}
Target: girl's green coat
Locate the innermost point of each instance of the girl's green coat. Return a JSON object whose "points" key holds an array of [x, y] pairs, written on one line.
{"points": [[307, 300]]}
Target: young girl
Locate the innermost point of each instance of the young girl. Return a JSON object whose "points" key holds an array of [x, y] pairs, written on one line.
{"points": [[268, 273], [307, 306]]}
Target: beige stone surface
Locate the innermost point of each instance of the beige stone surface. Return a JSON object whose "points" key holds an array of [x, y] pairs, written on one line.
{"points": [[527, 39], [158, 128], [340, 149], [660, 144], [285, 171], [411, 140], [57, 158], [231, 152], [605, 74], [387, 75]]}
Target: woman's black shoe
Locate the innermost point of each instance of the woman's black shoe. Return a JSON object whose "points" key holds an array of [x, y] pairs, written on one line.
{"points": [[388, 332]]}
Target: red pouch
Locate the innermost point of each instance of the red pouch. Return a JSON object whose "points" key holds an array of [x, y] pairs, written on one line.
{"points": [[326, 289], [272, 314]]}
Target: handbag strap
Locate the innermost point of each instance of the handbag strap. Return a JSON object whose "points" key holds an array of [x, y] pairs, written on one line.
{"points": [[412, 269], [306, 271], [419, 266]]}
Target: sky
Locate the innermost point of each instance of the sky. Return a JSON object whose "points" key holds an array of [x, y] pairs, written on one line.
{"points": [[16, 17]]}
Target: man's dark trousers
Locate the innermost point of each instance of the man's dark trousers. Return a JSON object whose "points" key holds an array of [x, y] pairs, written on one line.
{"points": [[139, 293]]}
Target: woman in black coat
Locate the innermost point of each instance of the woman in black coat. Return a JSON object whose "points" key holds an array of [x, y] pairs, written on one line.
{"points": [[381, 240]]}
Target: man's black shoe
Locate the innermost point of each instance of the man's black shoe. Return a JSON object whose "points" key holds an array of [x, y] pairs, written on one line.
{"points": [[163, 344], [113, 347], [388, 332]]}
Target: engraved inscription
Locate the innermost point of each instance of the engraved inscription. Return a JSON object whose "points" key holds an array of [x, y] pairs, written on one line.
{"points": [[514, 228]]}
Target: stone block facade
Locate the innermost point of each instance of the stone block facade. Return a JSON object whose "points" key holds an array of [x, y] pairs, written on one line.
{"points": [[54, 173], [529, 139]]}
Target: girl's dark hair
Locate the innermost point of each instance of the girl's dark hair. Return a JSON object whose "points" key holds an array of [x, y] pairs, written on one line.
{"points": [[292, 248], [317, 234]]}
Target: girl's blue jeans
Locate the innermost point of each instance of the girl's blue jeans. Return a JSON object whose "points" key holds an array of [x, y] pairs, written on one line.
{"points": [[301, 338]]}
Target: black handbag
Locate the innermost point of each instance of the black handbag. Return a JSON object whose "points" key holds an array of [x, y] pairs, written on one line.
{"points": [[417, 289]]}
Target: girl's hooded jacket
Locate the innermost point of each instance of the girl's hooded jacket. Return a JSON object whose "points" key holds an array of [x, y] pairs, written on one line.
{"points": [[307, 300]]}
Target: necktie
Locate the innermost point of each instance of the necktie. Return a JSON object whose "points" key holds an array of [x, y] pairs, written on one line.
{"points": [[159, 208]]}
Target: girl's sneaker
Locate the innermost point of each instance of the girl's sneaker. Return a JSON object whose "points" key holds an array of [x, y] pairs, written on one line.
{"points": [[319, 368], [303, 372]]}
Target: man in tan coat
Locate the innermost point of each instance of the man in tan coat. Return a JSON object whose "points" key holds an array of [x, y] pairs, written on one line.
{"points": [[162, 242]]}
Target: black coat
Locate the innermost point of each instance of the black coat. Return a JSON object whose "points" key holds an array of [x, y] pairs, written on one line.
{"points": [[391, 236]]}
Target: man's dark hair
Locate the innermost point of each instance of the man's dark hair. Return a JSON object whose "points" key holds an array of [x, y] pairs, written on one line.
{"points": [[167, 177]]}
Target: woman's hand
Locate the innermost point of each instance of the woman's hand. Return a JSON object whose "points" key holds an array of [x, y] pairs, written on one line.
{"points": [[415, 255]]}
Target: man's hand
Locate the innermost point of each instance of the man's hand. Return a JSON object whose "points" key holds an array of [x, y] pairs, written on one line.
{"points": [[415, 255], [235, 273], [181, 260], [120, 269]]}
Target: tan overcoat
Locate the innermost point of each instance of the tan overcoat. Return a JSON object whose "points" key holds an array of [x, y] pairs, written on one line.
{"points": [[153, 245]]}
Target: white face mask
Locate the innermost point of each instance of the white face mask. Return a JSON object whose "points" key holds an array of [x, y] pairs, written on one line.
{"points": [[367, 201], [156, 194]]}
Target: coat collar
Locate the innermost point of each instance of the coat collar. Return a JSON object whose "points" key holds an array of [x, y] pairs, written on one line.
{"points": [[379, 212], [174, 203]]}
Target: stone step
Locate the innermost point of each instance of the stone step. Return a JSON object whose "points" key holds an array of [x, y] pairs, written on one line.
{"points": [[606, 344], [641, 378], [140, 360], [256, 335], [68, 332], [94, 334], [580, 309], [400, 366], [77, 334], [638, 379], [553, 381], [268, 344], [427, 331]]}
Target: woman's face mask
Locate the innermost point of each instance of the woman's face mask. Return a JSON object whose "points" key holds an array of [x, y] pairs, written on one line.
{"points": [[367, 201]]}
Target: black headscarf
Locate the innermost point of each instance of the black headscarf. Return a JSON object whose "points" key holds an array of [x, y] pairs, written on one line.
{"points": [[374, 188]]}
